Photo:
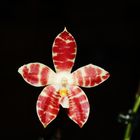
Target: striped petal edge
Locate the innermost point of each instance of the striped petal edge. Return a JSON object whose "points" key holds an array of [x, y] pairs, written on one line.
{"points": [[48, 105], [37, 74], [89, 76], [64, 51], [78, 106]]}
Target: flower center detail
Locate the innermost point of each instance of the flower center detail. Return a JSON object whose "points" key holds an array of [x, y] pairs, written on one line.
{"points": [[63, 89], [63, 92], [63, 80]]}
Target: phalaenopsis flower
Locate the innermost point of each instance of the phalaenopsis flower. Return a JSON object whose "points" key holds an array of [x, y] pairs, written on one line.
{"points": [[62, 88]]}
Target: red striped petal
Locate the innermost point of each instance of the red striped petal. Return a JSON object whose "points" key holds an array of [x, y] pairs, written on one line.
{"points": [[89, 76], [37, 74], [48, 105], [78, 106], [64, 51]]}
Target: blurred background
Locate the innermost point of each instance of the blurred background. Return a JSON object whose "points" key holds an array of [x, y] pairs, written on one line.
{"points": [[107, 35]]}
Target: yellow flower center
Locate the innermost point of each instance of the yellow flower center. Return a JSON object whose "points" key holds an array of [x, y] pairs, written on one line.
{"points": [[63, 92]]}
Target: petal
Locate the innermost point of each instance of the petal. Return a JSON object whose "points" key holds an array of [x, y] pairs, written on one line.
{"points": [[89, 76], [48, 105], [64, 51], [37, 74], [78, 106]]}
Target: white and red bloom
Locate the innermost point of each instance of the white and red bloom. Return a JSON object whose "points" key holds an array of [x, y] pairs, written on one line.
{"points": [[62, 88]]}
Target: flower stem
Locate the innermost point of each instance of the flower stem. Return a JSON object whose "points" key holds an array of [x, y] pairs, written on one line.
{"points": [[128, 131]]}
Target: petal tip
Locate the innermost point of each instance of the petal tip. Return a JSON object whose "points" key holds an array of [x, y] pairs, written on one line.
{"points": [[106, 76], [81, 126], [65, 29], [44, 125], [20, 69]]}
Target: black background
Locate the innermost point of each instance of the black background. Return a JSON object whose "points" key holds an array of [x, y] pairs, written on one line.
{"points": [[107, 35]]}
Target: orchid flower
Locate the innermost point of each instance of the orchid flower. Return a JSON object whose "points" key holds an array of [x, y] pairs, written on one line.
{"points": [[62, 88]]}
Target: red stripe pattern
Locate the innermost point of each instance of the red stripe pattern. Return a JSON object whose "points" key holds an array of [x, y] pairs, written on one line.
{"points": [[78, 106], [37, 74], [48, 105], [64, 51], [60, 92], [89, 76]]}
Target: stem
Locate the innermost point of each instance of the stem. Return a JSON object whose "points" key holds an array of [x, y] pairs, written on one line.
{"points": [[128, 131]]}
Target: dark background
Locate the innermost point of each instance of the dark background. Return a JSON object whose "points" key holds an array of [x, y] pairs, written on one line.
{"points": [[107, 35]]}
